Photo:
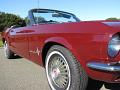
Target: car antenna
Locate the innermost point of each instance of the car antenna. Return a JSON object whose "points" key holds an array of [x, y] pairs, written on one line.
{"points": [[38, 3], [37, 10]]}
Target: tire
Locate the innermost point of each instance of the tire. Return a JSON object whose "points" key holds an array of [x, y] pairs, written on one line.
{"points": [[8, 53], [94, 84], [112, 86], [63, 70]]}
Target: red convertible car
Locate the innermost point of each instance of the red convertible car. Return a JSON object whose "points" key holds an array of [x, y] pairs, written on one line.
{"points": [[73, 52]]}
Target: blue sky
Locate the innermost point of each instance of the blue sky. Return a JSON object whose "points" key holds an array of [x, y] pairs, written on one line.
{"points": [[84, 9]]}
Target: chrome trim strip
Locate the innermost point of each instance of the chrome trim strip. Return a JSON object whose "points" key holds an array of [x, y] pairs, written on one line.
{"points": [[103, 67]]}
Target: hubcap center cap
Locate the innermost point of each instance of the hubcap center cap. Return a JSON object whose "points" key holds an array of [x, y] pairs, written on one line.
{"points": [[55, 73]]}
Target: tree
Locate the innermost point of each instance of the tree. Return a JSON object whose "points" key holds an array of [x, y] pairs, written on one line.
{"points": [[113, 18], [8, 20]]}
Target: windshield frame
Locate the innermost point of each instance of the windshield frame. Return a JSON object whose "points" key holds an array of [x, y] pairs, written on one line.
{"points": [[32, 19]]}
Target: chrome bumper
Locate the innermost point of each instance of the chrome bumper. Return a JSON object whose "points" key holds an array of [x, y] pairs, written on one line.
{"points": [[110, 67]]}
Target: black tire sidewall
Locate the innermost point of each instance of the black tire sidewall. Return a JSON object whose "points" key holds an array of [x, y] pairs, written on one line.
{"points": [[78, 79]]}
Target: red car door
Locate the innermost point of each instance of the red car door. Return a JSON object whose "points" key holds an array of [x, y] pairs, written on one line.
{"points": [[35, 44], [21, 41]]}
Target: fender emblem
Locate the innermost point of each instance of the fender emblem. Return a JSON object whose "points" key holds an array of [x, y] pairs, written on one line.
{"points": [[37, 51]]}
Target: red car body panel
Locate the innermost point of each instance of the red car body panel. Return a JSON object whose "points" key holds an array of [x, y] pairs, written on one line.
{"points": [[88, 41]]}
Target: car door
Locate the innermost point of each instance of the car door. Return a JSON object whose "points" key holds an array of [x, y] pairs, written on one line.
{"points": [[35, 44], [21, 41]]}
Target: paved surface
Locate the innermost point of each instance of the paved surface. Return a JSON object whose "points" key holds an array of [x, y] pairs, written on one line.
{"points": [[21, 74]]}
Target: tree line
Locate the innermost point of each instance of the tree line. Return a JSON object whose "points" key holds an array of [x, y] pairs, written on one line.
{"points": [[7, 20], [113, 18]]}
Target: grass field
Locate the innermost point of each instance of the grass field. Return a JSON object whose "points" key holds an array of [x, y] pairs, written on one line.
{"points": [[1, 44]]}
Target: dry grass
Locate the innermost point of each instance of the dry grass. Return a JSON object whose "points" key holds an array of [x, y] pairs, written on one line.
{"points": [[1, 44]]}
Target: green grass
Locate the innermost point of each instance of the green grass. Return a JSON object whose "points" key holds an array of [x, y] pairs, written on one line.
{"points": [[1, 44]]}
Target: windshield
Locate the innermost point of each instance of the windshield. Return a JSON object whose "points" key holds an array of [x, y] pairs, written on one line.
{"points": [[48, 16]]}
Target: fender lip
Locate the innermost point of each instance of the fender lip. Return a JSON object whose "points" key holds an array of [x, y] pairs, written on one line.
{"points": [[110, 67]]}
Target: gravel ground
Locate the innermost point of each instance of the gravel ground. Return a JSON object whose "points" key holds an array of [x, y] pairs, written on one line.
{"points": [[21, 74]]}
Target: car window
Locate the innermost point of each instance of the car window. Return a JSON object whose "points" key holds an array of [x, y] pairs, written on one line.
{"points": [[52, 17]]}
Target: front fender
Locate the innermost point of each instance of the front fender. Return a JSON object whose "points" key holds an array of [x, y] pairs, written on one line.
{"points": [[64, 42], [59, 40]]}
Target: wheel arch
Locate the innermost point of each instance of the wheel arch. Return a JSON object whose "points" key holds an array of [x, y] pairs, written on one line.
{"points": [[54, 41], [62, 42]]}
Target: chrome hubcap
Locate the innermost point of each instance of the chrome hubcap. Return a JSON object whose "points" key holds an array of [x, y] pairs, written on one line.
{"points": [[58, 72], [55, 73]]}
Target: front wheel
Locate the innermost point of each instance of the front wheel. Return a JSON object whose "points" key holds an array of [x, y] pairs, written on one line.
{"points": [[63, 71]]}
